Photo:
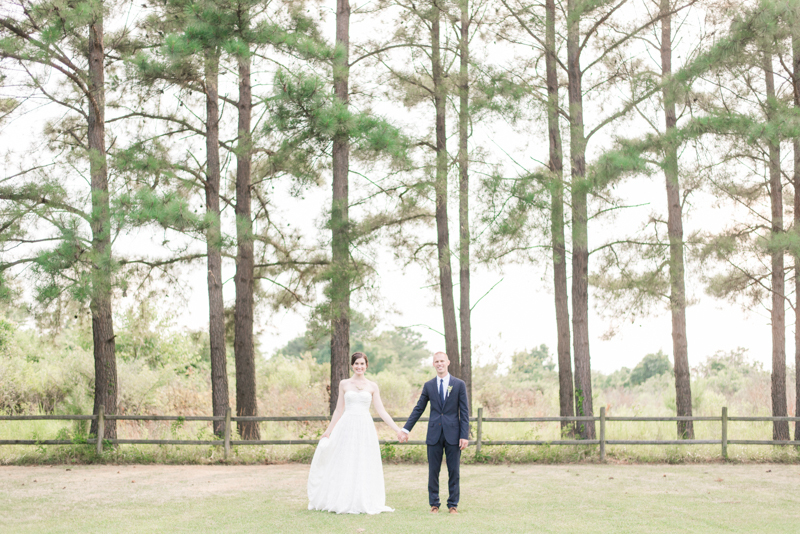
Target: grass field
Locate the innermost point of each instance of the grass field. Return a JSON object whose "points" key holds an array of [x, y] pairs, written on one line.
{"points": [[495, 498]]}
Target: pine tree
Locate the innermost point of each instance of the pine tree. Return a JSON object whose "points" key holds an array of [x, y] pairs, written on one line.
{"points": [[677, 296], [195, 34], [533, 187], [314, 122], [737, 62], [780, 429], [794, 21], [71, 43], [341, 275], [556, 167], [215, 35], [613, 37], [440, 93], [243, 344], [465, 21]]}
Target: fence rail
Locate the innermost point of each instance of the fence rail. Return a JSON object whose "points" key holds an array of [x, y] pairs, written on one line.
{"points": [[479, 442]]}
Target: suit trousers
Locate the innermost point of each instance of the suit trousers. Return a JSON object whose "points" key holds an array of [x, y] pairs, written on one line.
{"points": [[453, 456]]}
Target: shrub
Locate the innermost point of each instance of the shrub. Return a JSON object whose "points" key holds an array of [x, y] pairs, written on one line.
{"points": [[650, 366], [45, 375]]}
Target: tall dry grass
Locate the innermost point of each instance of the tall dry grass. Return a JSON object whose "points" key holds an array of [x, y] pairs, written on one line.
{"points": [[53, 375]]}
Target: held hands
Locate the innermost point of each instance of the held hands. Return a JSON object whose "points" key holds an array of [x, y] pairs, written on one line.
{"points": [[402, 437], [462, 444]]}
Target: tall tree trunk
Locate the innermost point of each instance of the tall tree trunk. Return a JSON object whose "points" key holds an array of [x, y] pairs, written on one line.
{"points": [[340, 218], [580, 219], [780, 429], [216, 319], [243, 348], [565, 385], [680, 350], [105, 360], [442, 231], [463, 201], [796, 84]]}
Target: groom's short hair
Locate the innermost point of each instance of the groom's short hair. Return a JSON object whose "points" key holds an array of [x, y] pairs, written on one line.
{"points": [[357, 355], [435, 354]]}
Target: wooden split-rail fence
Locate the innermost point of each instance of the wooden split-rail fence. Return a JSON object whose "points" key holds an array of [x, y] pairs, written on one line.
{"points": [[478, 442]]}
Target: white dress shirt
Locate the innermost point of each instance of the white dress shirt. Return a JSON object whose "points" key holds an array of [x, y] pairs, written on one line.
{"points": [[445, 384]]}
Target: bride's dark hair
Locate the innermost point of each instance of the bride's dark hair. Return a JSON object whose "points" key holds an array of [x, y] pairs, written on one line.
{"points": [[357, 355]]}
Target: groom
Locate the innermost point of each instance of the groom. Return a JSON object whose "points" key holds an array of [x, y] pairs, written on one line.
{"points": [[448, 429]]}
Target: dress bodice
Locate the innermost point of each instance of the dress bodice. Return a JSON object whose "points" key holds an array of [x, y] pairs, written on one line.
{"points": [[357, 401]]}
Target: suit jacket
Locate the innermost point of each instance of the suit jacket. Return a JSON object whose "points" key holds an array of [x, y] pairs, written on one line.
{"points": [[452, 419]]}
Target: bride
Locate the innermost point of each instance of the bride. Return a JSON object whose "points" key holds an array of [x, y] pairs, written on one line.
{"points": [[346, 473]]}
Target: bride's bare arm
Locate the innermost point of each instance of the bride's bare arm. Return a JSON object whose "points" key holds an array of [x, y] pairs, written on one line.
{"points": [[378, 403], [337, 413]]}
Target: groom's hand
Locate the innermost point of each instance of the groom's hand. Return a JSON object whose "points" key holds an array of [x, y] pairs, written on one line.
{"points": [[402, 437], [462, 444]]}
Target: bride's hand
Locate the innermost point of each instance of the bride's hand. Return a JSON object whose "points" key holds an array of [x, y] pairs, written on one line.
{"points": [[326, 435]]}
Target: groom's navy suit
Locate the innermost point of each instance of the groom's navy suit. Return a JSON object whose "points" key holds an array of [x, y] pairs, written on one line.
{"points": [[448, 424]]}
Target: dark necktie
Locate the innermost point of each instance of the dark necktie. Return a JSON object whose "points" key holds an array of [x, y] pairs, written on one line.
{"points": [[441, 390]]}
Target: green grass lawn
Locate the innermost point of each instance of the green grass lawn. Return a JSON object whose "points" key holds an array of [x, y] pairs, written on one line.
{"points": [[495, 498]]}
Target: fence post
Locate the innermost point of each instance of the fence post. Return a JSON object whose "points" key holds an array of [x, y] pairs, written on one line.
{"points": [[602, 433], [101, 423], [724, 432], [480, 430], [227, 432]]}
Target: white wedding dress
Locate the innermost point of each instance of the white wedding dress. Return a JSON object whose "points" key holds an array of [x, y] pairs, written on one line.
{"points": [[346, 473]]}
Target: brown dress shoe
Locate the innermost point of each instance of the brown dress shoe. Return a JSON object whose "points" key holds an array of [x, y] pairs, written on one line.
{"points": [[453, 511], [434, 509]]}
